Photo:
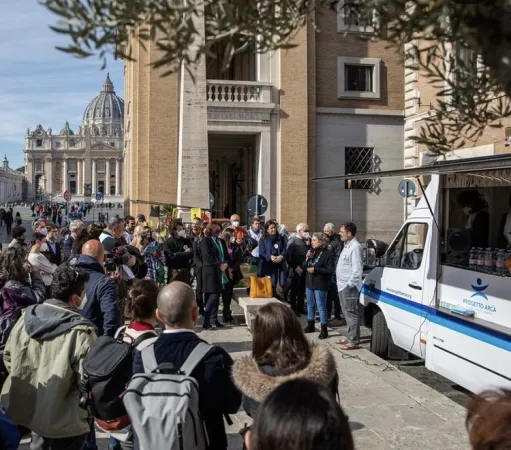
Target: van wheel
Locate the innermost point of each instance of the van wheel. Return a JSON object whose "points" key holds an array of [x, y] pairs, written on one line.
{"points": [[380, 336]]}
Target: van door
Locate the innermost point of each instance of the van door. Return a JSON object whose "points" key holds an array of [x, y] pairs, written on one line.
{"points": [[403, 284]]}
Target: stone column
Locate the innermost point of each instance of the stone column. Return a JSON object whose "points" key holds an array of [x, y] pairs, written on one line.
{"points": [[107, 177], [49, 175], [64, 176], [264, 169], [117, 176], [87, 175], [94, 187], [193, 168], [79, 176]]}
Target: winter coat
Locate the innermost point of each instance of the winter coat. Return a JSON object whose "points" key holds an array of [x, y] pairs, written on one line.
{"points": [[211, 262], [15, 296], [68, 246], [269, 247], [234, 261], [296, 252], [100, 305], [257, 382], [321, 278], [44, 356], [335, 246], [9, 433], [217, 393], [176, 255]]}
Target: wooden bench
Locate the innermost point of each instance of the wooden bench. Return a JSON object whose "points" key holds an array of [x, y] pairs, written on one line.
{"points": [[251, 305]]}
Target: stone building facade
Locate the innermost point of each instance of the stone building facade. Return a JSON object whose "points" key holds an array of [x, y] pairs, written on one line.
{"points": [[332, 105], [85, 162], [11, 184]]}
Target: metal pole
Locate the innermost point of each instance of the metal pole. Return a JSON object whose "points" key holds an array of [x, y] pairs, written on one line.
{"points": [[351, 205], [406, 199]]}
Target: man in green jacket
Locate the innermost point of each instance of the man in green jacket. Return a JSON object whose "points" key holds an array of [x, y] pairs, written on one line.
{"points": [[44, 355]]}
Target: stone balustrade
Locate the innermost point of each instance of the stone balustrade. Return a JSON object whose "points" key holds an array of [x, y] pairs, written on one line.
{"points": [[221, 91]]}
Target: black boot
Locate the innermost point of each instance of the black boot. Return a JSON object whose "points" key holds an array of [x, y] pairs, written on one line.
{"points": [[310, 328], [324, 332]]}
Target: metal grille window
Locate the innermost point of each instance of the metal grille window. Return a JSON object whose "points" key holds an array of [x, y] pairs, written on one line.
{"points": [[357, 16], [359, 160], [358, 78]]}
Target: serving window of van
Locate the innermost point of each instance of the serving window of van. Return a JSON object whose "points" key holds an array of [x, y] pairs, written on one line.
{"points": [[476, 222]]}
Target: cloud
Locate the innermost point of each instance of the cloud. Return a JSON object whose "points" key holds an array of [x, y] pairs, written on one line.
{"points": [[39, 84]]}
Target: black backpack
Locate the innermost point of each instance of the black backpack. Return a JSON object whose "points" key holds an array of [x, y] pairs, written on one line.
{"points": [[107, 369]]}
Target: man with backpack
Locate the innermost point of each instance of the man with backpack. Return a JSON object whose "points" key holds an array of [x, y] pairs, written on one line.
{"points": [[44, 355], [172, 367]]}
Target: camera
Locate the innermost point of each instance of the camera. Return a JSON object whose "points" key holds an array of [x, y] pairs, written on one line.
{"points": [[119, 257]]}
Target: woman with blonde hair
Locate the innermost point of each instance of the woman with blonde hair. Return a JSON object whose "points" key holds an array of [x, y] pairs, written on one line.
{"points": [[319, 268]]}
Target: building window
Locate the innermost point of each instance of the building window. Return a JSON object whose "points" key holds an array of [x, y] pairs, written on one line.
{"points": [[71, 165], [57, 144], [101, 166], [39, 143], [358, 160], [112, 144], [72, 143], [354, 17], [38, 164], [359, 78]]}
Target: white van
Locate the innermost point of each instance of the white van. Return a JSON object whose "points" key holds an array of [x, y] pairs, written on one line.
{"points": [[429, 296]]}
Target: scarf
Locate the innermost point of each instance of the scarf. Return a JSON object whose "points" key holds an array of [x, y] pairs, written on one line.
{"points": [[225, 278]]}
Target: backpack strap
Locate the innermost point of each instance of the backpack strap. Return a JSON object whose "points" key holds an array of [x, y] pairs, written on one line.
{"points": [[143, 337], [198, 353], [149, 359]]}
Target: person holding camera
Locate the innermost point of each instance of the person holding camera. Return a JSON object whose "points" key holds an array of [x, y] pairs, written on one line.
{"points": [[44, 356], [101, 304]]}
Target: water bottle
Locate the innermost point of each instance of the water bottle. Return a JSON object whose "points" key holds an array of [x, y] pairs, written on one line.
{"points": [[488, 260], [480, 258], [473, 258], [501, 263]]}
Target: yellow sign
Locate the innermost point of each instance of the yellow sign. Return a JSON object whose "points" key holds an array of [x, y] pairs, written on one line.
{"points": [[175, 212], [195, 213]]}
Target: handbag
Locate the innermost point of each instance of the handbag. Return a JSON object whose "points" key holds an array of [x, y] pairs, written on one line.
{"points": [[260, 287]]}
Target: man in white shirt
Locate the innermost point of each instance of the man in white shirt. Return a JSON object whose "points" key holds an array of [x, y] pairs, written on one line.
{"points": [[39, 261], [349, 283]]}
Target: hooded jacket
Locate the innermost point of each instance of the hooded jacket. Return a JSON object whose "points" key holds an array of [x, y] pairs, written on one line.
{"points": [[44, 356], [100, 306], [256, 382]]}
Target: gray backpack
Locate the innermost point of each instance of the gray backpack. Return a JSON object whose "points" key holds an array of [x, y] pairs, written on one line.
{"points": [[163, 403]]}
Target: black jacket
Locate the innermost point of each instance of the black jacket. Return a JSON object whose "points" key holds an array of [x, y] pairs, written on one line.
{"points": [[336, 246], [176, 256], [100, 306], [54, 257], [296, 252], [256, 382], [68, 246], [217, 392], [234, 260], [211, 262], [321, 278]]}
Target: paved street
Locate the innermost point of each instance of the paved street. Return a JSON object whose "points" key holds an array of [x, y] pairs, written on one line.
{"points": [[388, 408]]}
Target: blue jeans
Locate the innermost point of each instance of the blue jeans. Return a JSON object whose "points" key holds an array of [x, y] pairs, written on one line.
{"points": [[316, 298], [211, 309]]}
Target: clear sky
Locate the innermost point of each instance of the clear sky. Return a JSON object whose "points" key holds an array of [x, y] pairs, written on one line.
{"points": [[39, 84]]}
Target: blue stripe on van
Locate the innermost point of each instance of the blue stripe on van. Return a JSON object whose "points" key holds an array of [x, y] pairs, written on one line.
{"points": [[471, 329]]}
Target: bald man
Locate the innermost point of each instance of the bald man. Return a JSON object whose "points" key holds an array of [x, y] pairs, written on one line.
{"points": [[177, 309], [100, 305]]}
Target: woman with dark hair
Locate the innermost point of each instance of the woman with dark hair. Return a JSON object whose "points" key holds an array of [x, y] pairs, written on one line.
{"points": [[489, 420], [280, 352], [140, 308], [272, 254], [319, 269], [20, 286], [197, 237], [78, 243], [233, 272], [300, 415], [474, 206], [214, 257]]}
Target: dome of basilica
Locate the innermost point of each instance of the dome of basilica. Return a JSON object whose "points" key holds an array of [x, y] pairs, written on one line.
{"points": [[107, 107]]}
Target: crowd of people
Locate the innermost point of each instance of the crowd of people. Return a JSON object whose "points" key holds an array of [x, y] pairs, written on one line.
{"points": [[71, 297]]}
